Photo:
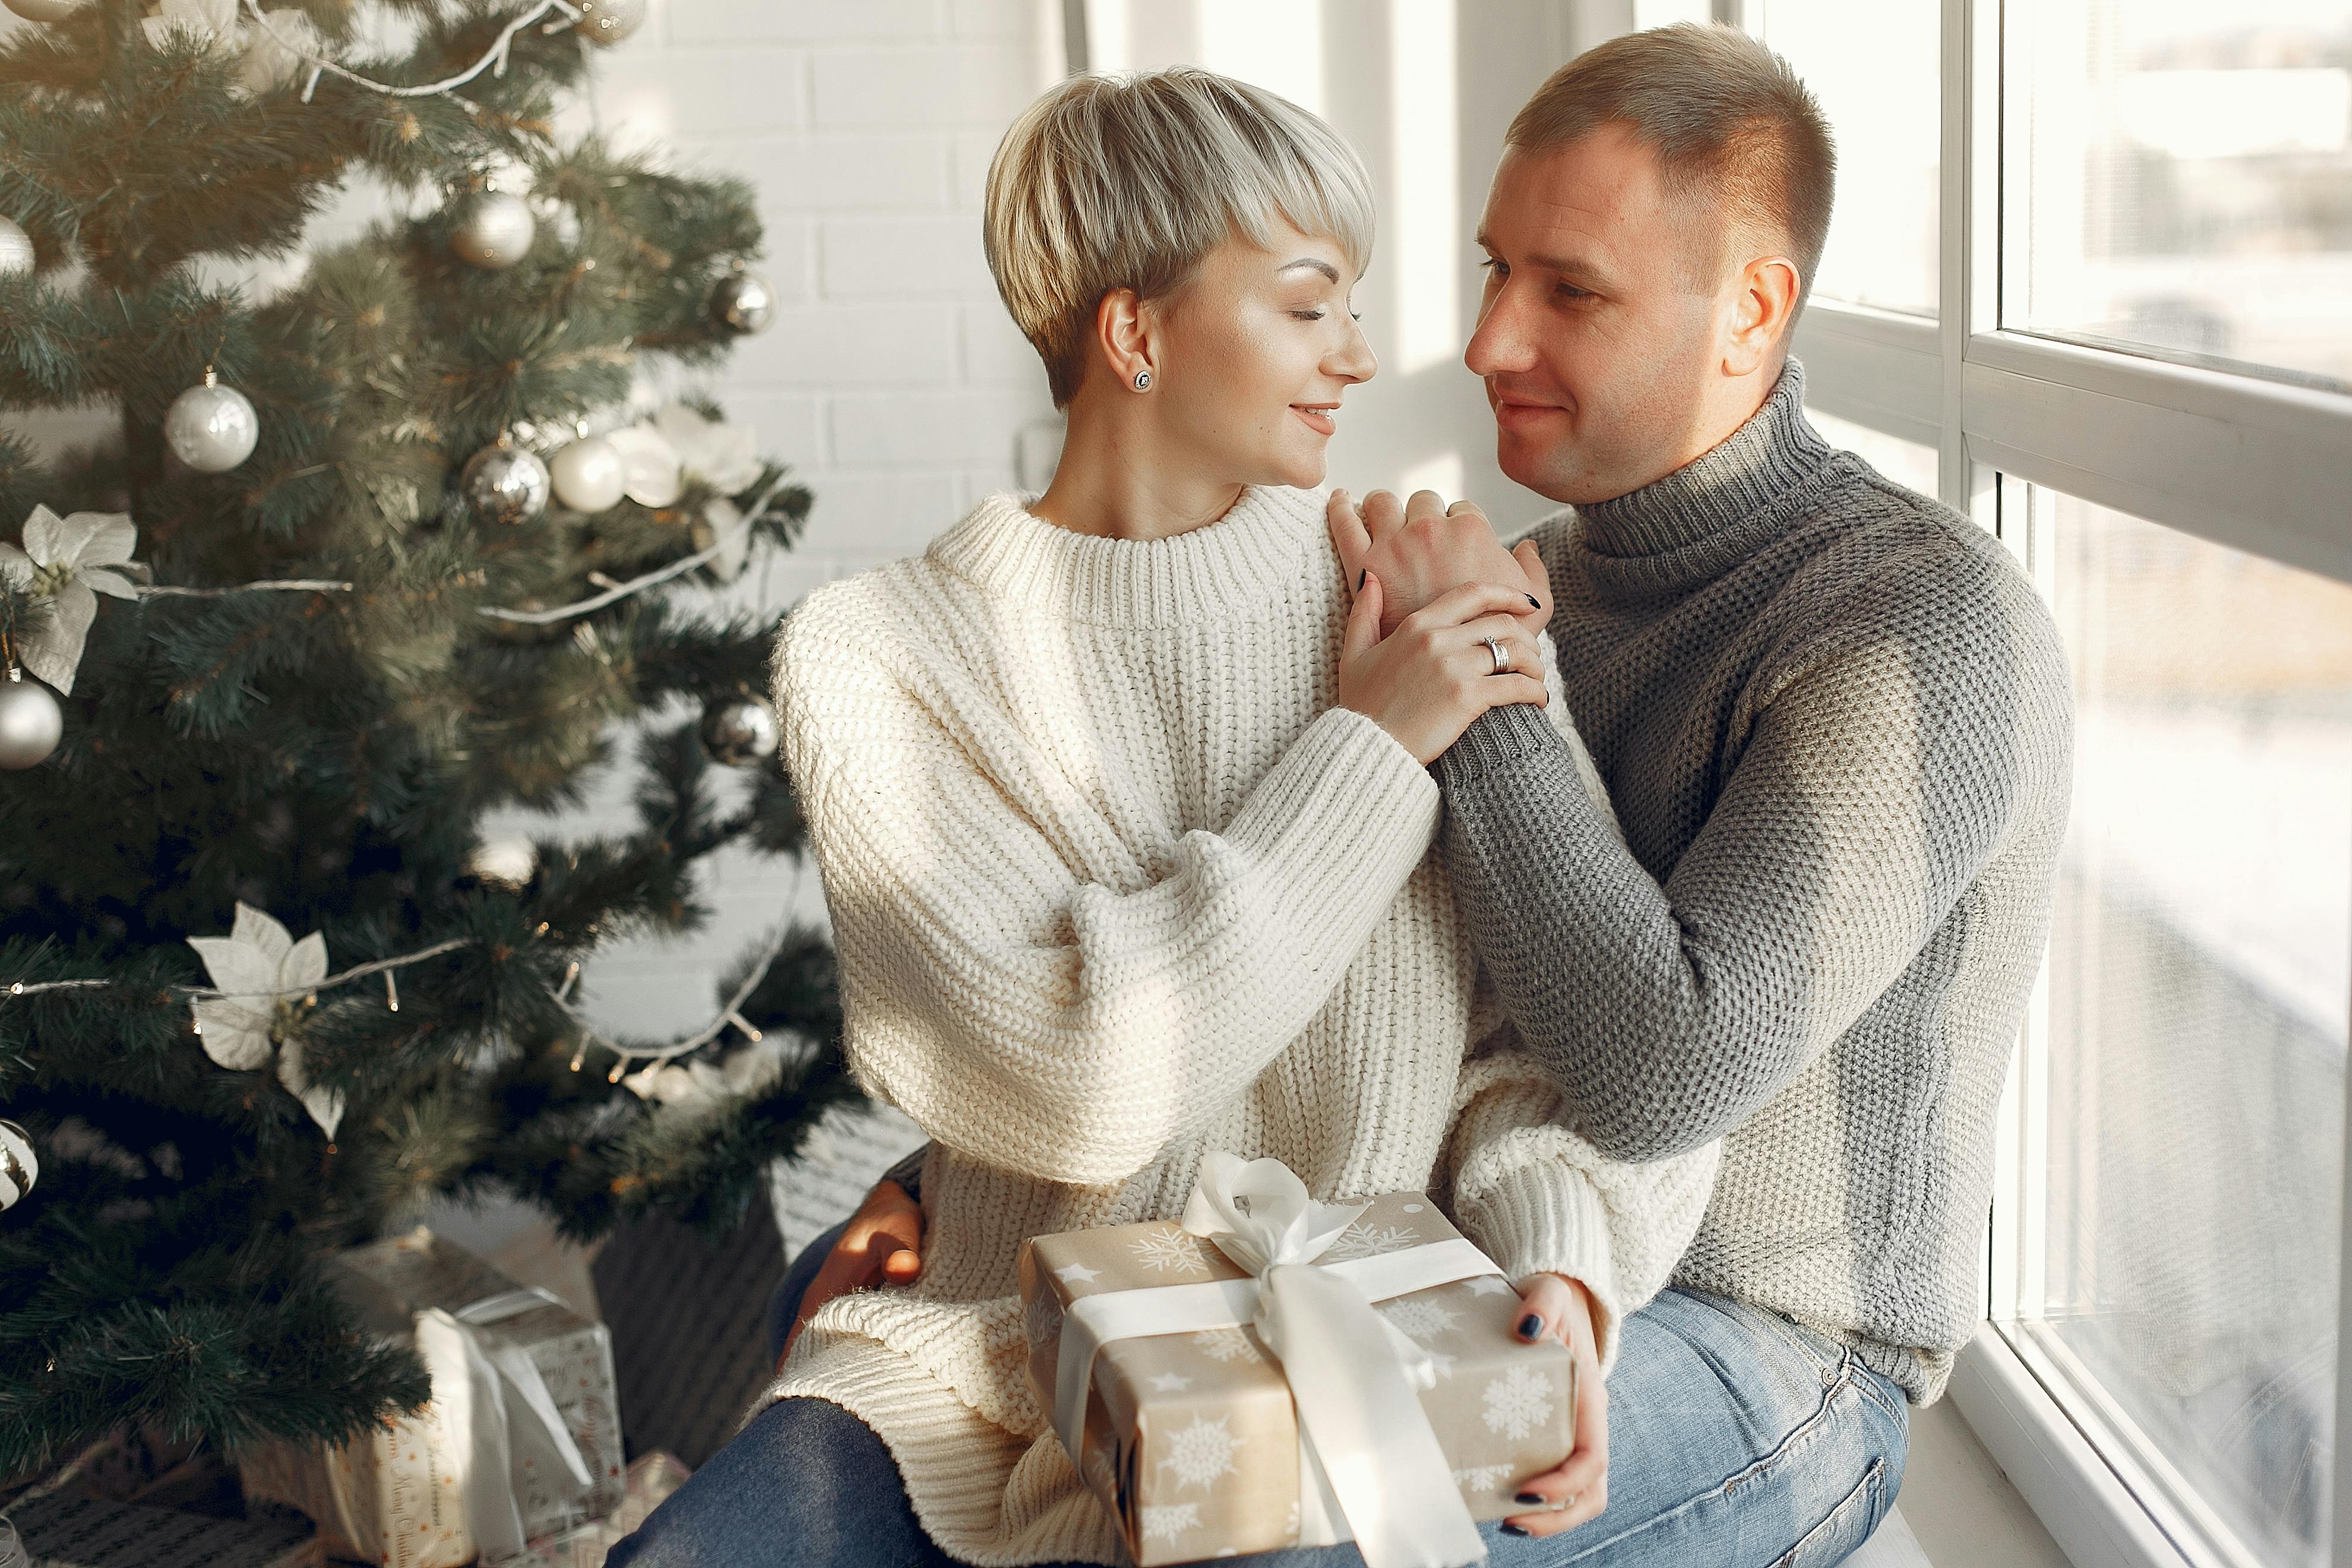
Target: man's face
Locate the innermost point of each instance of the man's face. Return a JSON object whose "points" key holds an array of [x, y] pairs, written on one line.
{"points": [[1599, 331]]}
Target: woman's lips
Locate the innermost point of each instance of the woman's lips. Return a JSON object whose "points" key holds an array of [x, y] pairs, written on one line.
{"points": [[1317, 420]]}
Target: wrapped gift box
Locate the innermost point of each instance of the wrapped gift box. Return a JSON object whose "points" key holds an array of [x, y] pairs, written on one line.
{"points": [[397, 1498], [1191, 1440], [66, 1531], [651, 1478]]}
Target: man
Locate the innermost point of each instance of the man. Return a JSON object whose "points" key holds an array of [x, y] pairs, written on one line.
{"points": [[1834, 719]]}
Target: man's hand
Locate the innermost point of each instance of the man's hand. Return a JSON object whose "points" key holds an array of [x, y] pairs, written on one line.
{"points": [[1421, 547], [882, 1246], [1578, 1489]]}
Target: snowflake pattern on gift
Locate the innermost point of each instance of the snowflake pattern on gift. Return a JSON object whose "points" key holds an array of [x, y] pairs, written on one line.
{"points": [[1363, 1240], [1422, 1319], [1202, 1452], [1167, 1520], [1041, 1320], [1517, 1401], [1225, 1345], [1483, 1479], [1101, 1469], [1169, 1251]]}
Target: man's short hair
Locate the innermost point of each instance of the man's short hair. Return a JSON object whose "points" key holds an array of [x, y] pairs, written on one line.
{"points": [[1735, 129], [1127, 181]]}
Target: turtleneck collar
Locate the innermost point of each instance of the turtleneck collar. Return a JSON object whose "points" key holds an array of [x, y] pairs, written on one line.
{"points": [[1714, 511], [1244, 559]]}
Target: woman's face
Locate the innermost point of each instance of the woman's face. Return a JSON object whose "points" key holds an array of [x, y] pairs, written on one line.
{"points": [[1255, 352]]}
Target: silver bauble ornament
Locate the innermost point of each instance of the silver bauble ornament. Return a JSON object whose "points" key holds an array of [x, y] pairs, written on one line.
{"points": [[31, 722], [16, 249], [19, 1167], [509, 862], [738, 731], [504, 485], [743, 302], [610, 21], [495, 232], [589, 475], [44, 10], [211, 428]]}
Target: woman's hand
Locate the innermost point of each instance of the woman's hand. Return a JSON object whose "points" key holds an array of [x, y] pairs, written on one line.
{"points": [[1422, 547], [1426, 681], [1562, 1309], [882, 1246]]}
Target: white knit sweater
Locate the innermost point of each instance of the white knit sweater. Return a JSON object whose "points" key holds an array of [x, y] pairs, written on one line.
{"points": [[1113, 883]]}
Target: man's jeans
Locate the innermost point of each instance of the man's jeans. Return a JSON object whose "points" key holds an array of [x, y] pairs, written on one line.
{"points": [[1737, 1439]]}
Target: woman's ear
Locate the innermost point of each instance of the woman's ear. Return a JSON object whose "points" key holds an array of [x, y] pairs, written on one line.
{"points": [[1125, 330]]}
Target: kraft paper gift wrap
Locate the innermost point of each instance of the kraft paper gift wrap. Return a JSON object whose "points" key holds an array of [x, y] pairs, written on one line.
{"points": [[1192, 1440], [478, 1472]]}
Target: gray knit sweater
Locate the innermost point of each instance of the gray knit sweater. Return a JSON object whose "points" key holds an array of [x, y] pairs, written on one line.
{"points": [[1834, 720]]}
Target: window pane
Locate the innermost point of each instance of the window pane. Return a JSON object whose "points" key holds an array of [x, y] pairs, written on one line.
{"points": [[2178, 178], [2201, 976], [1875, 68], [1905, 462]]}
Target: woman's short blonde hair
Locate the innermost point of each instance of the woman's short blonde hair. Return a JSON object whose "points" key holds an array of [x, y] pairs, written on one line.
{"points": [[1129, 181]]}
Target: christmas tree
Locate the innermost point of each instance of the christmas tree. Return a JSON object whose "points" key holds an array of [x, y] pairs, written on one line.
{"points": [[353, 563]]}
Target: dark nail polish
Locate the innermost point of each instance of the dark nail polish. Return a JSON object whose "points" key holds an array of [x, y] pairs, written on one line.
{"points": [[1530, 1326], [1360, 578], [1513, 1530], [1534, 603], [1532, 1498]]}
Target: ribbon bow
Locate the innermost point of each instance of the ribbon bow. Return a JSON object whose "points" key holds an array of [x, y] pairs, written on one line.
{"points": [[1365, 1442]]}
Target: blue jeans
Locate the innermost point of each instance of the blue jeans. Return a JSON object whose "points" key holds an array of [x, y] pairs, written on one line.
{"points": [[1737, 1439]]}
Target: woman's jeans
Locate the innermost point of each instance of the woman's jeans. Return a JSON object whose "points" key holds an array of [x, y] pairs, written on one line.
{"points": [[1737, 1439]]}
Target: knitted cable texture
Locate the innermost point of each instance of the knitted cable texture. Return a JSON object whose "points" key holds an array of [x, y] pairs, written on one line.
{"points": [[1113, 883], [1834, 719]]}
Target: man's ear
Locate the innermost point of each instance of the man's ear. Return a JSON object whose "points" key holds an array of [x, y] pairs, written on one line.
{"points": [[1761, 313], [1124, 331]]}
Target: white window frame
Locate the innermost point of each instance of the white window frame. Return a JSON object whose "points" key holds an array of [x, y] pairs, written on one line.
{"points": [[2256, 465]]}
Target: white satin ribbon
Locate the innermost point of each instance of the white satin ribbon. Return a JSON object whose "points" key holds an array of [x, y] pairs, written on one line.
{"points": [[1370, 1466], [501, 1416]]}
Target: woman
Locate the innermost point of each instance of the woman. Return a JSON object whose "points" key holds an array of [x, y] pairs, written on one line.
{"points": [[1125, 821]]}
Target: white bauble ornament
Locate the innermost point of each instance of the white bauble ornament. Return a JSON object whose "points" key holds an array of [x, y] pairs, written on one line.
{"points": [[16, 249], [504, 485], [497, 231], [743, 302], [610, 21], [589, 475], [19, 1167], [739, 732], [509, 862], [31, 722], [211, 428], [44, 10]]}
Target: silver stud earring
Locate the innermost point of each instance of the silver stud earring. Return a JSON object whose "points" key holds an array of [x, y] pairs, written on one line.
{"points": [[1142, 381]]}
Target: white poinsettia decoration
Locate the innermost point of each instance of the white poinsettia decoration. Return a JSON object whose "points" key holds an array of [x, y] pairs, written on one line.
{"points": [[269, 977], [652, 473], [274, 54], [724, 456], [67, 561], [696, 1086], [724, 525]]}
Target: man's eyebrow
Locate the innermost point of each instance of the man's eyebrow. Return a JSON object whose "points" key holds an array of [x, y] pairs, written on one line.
{"points": [[1317, 262]]}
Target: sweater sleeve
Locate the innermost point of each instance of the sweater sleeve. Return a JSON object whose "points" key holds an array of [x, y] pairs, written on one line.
{"points": [[1884, 768], [1539, 1198], [1030, 1015]]}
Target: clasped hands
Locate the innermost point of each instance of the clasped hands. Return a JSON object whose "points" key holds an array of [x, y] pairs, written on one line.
{"points": [[1433, 584]]}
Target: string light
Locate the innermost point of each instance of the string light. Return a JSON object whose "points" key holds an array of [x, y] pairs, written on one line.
{"points": [[495, 61]]}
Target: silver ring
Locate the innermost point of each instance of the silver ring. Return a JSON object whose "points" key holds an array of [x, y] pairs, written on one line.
{"points": [[1494, 651]]}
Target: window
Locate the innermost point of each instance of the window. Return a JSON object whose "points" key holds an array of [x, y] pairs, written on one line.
{"points": [[2138, 376], [2188, 1076], [1866, 64], [2179, 180]]}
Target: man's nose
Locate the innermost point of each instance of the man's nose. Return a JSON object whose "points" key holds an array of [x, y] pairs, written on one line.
{"points": [[1501, 344]]}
